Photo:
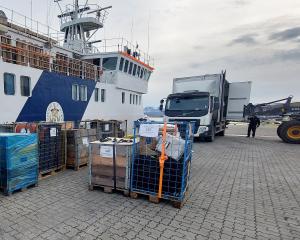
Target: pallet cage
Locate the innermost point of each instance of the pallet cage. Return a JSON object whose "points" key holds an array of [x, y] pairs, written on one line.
{"points": [[110, 164], [52, 147], [78, 141], [7, 128], [18, 161], [145, 171], [106, 129]]}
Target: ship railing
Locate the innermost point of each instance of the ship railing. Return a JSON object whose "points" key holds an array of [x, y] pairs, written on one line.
{"points": [[100, 16], [124, 46], [30, 26], [27, 54]]}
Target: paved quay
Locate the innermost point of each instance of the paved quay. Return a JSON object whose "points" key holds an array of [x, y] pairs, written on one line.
{"points": [[240, 189]]}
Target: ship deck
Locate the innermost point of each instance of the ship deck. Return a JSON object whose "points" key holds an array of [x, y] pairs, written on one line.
{"points": [[240, 189]]}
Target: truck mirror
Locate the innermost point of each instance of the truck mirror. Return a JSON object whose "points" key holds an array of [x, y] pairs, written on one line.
{"points": [[161, 106]]}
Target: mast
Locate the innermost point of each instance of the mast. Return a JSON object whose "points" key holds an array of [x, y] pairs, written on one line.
{"points": [[78, 23], [76, 9]]}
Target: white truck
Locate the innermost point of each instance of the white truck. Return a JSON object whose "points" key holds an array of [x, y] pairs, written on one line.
{"points": [[209, 101]]}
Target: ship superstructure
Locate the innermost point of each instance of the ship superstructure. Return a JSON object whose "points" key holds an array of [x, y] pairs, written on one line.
{"points": [[67, 76]]}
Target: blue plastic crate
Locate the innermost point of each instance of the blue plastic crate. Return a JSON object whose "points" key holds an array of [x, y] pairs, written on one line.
{"points": [[145, 171], [18, 161]]}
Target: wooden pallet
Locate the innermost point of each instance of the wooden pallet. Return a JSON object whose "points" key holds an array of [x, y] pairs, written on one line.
{"points": [[108, 189], [156, 200], [77, 168], [51, 172], [9, 193]]}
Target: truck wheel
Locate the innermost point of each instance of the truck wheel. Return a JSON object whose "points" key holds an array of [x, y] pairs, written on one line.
{"points": [[212, 137], [279, 129], [222, 133], [290, 132]]}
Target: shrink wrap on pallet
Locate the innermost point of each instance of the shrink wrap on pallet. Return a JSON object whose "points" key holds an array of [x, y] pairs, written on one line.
{"points": [[18, 161], [175, 146]]}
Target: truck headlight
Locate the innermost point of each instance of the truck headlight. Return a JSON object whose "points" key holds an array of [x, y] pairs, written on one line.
{"points": [[202, 129], [286, 118]]}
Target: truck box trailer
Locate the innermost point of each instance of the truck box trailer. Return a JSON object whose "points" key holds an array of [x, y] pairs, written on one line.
{"points": [[209, 101]]}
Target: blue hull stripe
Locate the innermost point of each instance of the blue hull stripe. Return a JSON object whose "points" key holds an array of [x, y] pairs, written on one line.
{"points": [[54, 87]]}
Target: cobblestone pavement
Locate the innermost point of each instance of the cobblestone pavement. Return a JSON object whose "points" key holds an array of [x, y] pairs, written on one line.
{"points": [[240, 189]]}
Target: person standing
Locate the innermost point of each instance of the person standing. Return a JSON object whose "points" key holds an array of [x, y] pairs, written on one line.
{"points": [[254, 123]]}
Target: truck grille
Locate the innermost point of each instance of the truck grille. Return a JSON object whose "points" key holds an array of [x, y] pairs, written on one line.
{"points": [[196, 122]]}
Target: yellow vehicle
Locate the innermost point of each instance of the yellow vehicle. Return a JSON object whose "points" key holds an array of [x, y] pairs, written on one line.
{"points": [[289, 129]]}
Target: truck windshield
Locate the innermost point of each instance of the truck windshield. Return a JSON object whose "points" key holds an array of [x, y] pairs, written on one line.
{"points": [[191, 103]]}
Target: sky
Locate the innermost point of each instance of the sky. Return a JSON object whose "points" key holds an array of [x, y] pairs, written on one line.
{"points": [[253, 40]]}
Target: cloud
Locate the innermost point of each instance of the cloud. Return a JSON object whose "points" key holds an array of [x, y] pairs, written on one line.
{"points": [[198, 47], [248, 39], [288, 55], [240, 2], [288, 34]]}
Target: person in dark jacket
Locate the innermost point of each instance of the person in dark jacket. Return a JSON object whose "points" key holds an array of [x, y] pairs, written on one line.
{"points": [[254, 123]]}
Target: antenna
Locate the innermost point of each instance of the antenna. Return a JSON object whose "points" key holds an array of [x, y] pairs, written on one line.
{"points": [[132, 23], [31, 13], [57, 1], [99, 10], [148, 47]]}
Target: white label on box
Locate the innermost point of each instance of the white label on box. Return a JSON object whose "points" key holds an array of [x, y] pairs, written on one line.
{"points": [[85, 141], [106, 127], [52, 132], [107, 151], [149, 130]]}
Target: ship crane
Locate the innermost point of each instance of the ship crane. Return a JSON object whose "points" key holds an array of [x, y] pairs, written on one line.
{"points": [[77, 23]]}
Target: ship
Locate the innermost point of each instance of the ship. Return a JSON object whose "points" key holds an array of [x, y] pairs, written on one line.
{"points": [[67, 75]]}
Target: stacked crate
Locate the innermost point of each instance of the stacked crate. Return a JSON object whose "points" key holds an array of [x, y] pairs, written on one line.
{"points": [[78, 147], [18, 161], [52, 148], [110, 165], [7, 128]]}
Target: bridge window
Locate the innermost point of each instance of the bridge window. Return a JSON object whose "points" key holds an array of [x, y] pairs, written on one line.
{"points": [[103, 95], [147, 77], [138, 71], [123, 97], [130, 68], [25, 86], [121, 64], [136, 99], [83, 93], [75, 92], [140, 100], [9, 84], [110, 63], [96, 94], [134, 70], [142, 73], [130, 98], [126, 66]]}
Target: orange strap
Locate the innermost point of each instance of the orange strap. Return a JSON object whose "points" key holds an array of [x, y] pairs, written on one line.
{"points": [[163, 157]]}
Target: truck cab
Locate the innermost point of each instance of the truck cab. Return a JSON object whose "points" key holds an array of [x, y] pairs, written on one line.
{"points": [[209, 101], [198, 107]]}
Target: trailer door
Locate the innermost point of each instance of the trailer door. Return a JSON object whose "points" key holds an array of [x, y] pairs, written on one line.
{"points": [[239, 96]]}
